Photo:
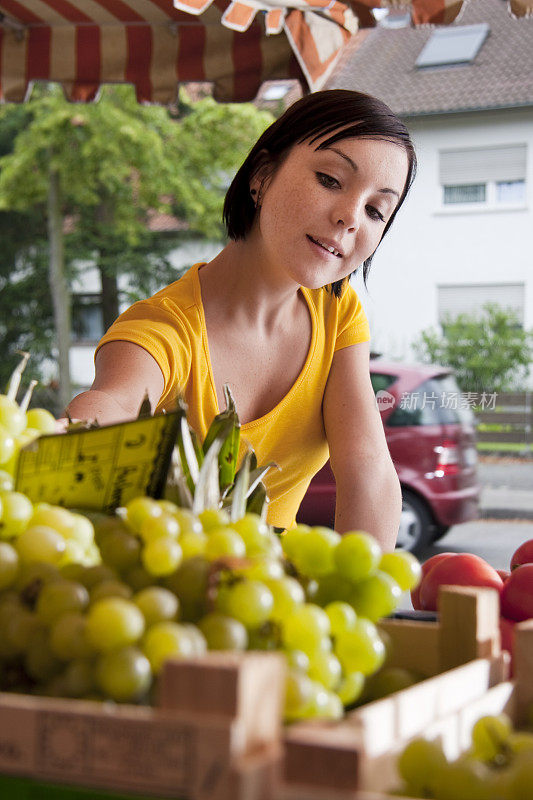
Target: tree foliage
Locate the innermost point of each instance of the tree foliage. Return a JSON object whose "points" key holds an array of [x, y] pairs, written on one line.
{"points": [[488, 351], [116, 162]]}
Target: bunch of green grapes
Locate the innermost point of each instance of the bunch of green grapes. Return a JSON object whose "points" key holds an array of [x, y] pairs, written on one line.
{"points": [[43, 533], [497, 766], [18, 427], [173, 584]]}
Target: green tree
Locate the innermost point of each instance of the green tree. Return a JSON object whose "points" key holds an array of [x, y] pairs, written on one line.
{"points": [[106, 166], [488, 351]]}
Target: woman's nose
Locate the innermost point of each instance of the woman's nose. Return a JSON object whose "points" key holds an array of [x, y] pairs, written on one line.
{"points": [[348, 216]]}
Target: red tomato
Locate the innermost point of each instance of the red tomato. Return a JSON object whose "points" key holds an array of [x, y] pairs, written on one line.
{"points": [[517, 594], [503, 573], [461, 569], [523, 555], [426, 567]]}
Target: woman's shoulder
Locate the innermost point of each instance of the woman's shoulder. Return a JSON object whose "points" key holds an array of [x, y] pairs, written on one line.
{"points": [[181, 294]]}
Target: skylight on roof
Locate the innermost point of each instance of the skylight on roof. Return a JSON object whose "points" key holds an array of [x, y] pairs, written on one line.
{"points": [[454, 45]]}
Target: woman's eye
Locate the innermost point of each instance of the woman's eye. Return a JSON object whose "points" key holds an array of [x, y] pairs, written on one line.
{"points": [[373, 213], [327, 180]]}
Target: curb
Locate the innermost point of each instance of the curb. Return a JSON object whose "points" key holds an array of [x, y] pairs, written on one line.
{"points": [[506, 513]]}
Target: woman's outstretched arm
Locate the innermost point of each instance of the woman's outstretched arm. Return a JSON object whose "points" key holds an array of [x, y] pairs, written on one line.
{"points": [[368, 490], [124, 373]]}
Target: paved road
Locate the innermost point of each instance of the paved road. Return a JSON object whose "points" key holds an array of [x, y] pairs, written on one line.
{"points": [[506, 473]]}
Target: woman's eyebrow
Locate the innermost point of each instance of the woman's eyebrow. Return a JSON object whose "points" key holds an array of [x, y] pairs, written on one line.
{"points": [[353, 165]]}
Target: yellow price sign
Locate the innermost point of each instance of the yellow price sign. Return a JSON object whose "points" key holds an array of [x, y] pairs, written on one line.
{"points": [[100, 468]]}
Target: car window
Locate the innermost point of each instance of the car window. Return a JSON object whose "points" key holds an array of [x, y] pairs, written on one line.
{"points": [[436, 401], [381, 381]]}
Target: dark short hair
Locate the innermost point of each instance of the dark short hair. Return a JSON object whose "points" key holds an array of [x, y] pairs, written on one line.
{"points": [[340, 112]]}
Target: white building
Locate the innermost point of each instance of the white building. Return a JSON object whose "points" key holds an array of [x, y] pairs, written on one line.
{"points": [[465, 234]]}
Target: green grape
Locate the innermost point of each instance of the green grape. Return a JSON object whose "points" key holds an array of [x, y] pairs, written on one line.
{"points": [[161, 556], [404, 567], [342, 617], [313, 556], [157, 604], [298, 660], [78, 678], [265, 637], [110, 588], [299, 692], [212, 518], [6, 483], [490, 736], [262, 569], [287, 594], [326, 669], [521, 742], [223, 633], [361, 649], [306, 628], [40, 543], [120, 550], [189, 581], [113, 622], [255, 534], [389, 680], [74, 553], [163, 527], [357, 555], [290, 540], [16, 513], [187, 521], [330, 706], [68, 637], [72, 572], [11, 416], [351, 687], [7, 446], [123, 675], [420, 764], [33, 575], [224, 542], [167, 506], [197, 638], [82, 530], [19, 629], [376, 596], [331, 588], [521, 779], [193, 543], [91, 576], [54, 517], [59, 598], [318, 707], [9, 565], [40, 420], [40, 662], [138, 578], [465, 778], [250, 602], [166, 640], [141, 509]]}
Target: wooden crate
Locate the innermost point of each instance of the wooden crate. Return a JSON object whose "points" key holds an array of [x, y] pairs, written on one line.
{"points": [[460, 655], [215, 733]]}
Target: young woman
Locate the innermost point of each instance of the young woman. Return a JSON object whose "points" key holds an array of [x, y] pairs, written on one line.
{"points": [[274, 316]]}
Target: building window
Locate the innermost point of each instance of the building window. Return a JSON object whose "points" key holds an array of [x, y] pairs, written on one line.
{"points": [[484, 176], [87, 324], [458, 44], [470, 298]]}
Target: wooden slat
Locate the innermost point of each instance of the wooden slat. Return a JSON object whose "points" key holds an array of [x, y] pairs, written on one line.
{"points": [[516, 437], [518, 417]]}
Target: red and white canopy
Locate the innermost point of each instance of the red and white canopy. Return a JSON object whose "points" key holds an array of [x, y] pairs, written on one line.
{"points": [[155, 44]]}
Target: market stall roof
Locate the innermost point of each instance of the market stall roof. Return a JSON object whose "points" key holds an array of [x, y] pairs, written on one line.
{"points": [[156, 44]]}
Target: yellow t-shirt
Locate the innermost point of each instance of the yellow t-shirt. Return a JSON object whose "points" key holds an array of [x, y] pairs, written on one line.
{"points": [[171, 327]]}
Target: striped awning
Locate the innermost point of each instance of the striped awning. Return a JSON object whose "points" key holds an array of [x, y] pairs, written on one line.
{"points": [[156, 44]]}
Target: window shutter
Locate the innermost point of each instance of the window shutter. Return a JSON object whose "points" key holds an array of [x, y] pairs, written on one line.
{"points": [[470, 298], [481, 164]]}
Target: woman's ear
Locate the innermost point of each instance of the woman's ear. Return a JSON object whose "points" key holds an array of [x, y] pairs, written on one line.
{"points": [[261, 176]]}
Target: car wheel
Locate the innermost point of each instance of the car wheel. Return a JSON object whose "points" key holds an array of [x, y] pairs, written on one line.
{"points": [[439, 531], [416, 527]]}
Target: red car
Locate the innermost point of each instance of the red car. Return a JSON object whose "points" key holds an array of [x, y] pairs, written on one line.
{"points": [[430, 431]]}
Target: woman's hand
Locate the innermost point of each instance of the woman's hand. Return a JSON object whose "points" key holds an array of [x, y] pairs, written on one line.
{"points": [[368, 489]]}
